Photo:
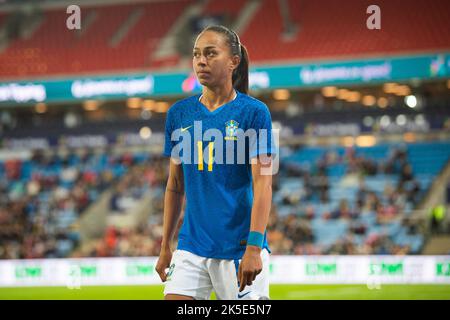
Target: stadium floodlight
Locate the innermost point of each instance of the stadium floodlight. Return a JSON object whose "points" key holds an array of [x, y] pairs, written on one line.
{"points": [[281, 94], [329, 92], [146, 114], [353, 96], [293, 109], [403, 90], [420, 119], [161, 106], [134, 103], [411, 101], [385, 121], [348, 141], [41, 107], [390, 87], [401, 120], [90, 105], [409, 137], [148, 104], [71, 120], [368, 100], [366, 141], [368, 121], [382, 102], [145, 133], [343, 93]]}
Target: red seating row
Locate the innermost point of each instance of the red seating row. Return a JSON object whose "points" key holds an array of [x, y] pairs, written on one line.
{"points": [[328, 29], [53, 49], [331, 29]]}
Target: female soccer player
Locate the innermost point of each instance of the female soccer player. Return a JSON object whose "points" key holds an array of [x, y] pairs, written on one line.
{"points": [[222, 242]]}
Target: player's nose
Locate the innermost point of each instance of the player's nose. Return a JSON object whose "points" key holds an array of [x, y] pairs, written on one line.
{"points": [[201, 61]]}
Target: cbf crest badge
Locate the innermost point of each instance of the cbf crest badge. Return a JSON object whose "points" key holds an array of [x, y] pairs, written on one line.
{"points": [[231, 127]]}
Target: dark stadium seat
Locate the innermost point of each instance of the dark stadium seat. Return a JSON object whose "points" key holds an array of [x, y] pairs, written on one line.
{"points": [[218, 7]]}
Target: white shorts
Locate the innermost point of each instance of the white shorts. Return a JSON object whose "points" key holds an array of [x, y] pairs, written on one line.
{"points": [[195, 276]]}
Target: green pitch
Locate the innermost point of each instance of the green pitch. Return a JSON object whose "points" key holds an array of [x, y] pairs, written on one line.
{"points": [[283, 292]]}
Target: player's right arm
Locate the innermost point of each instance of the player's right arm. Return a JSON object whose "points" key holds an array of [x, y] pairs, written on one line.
{"points": [[173, 201]]}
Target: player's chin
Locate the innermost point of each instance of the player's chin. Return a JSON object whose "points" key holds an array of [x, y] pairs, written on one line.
{"points": [[204, 81]]}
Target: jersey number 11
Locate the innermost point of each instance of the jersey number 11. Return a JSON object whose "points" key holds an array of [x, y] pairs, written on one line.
{"points": [[200, 155]]}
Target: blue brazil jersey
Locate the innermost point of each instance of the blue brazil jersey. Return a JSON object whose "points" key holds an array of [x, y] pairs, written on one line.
{"points": [[217, 178]]}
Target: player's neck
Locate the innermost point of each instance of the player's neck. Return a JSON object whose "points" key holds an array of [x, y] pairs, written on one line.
{"points": [[213, 98]]}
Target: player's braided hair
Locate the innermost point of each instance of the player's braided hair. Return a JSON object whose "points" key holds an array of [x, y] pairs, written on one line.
{"points": [[240, 74]]}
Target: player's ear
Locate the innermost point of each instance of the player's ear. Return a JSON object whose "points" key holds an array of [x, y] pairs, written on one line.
{"points": [[235, 60]]}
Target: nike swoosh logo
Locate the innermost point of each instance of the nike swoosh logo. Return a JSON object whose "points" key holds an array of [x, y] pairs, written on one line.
{"points": [[184, 129], [243, 295]]}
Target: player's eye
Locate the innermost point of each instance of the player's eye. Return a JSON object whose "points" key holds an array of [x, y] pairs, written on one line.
{"points": [[211, 53], [196, 54]]}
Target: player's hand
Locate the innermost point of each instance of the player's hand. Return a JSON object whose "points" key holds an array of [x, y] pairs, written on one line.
{"points": [[165, 256], [250, 267]]}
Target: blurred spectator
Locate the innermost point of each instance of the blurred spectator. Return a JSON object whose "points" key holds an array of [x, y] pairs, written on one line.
{"points": [[437, 216], [343, 211], [38, 214], [60, 188]]}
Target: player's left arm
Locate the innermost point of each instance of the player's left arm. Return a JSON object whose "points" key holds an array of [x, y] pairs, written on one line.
{"points": [[251, 264]]}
